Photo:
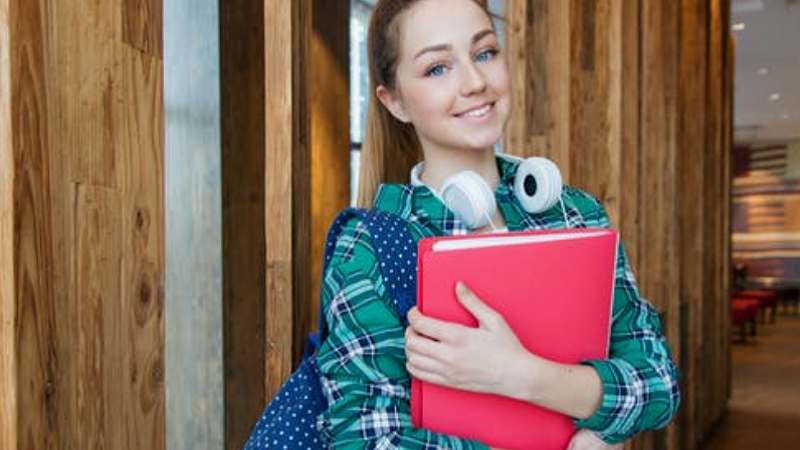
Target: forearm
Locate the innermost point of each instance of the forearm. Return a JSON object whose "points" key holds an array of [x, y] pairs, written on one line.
{"points": [[571, 389]]}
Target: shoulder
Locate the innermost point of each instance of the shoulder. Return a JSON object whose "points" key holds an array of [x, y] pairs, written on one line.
{"points": [[349, 247], [588, 206]]}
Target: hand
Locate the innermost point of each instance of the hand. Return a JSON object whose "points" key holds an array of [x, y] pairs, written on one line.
{"points": [[462, 357], [587, 440]]}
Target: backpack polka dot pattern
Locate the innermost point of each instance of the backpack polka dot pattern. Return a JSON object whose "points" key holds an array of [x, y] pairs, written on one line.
{"points": [[289, 421], [397, 253]]}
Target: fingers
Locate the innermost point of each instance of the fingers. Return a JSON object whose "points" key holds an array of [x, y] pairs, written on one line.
{"points": [[485, 315], [435, 329]]}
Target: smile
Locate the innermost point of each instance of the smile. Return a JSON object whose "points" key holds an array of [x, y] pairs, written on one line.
{"points": [[479, 112]]}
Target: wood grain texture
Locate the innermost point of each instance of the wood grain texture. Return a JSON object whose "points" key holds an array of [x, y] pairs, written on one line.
{"points": [[40, 396], [287, 172], [140, 119], [330, 131], [516, 12], [89, 370], [8, 342], [301, 174], [141, 25], [244, 215], [96, 282], [691, 169], [713, 343], [630, 154], [659, 137]]}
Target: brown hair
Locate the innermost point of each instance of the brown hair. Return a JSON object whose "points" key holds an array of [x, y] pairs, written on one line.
{"points": [[391, 147]]}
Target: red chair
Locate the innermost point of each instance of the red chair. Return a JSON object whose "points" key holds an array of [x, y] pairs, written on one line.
{"points": [[745, 311], [767, 297]]}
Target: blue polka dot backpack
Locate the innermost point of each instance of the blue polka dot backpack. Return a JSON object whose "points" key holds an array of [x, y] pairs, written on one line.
{"points": [[289, 421]]}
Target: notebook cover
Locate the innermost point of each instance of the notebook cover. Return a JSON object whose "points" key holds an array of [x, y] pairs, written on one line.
{"points": [[557, 297]]}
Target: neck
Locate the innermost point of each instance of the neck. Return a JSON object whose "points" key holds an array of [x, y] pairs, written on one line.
{"points": [[438, 168]]}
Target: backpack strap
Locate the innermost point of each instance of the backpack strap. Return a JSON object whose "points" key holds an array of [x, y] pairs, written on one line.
{"points": [[396, 251]]}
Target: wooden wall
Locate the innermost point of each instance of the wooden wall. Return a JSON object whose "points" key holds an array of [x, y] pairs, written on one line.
{"points": [[81, 118], [642, 120], [243, 215]]}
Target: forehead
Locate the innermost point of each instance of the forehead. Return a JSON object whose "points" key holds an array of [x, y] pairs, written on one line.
{"points": [[436, 22]]}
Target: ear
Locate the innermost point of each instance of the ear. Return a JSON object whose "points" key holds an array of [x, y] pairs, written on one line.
{"points": [[392, 103]]}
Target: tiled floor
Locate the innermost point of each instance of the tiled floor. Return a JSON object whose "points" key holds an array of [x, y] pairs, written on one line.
{"points": [[764, 410]]}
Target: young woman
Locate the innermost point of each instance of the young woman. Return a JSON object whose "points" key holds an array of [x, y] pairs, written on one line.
{"points": [[441, 102]]}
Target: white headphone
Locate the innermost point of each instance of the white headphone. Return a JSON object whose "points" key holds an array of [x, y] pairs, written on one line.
{"points": [[537, 186]]}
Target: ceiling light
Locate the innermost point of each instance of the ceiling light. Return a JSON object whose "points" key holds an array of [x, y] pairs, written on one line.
{"points": [[763, 71], [739, 26], [775, 96], [786, 116]]}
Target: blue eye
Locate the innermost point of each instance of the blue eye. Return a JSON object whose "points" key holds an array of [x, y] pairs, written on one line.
{"points": [[436, 71], [486, 55]]}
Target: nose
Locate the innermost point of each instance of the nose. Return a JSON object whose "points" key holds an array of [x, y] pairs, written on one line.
{"points": [[473, 80]]}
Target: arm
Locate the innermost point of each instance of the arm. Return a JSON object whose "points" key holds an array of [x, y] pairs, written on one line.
{"points": [[363, 360]]}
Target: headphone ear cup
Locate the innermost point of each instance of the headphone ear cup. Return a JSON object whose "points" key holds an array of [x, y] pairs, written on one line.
{"points": [[469, 197], [538, 184]]}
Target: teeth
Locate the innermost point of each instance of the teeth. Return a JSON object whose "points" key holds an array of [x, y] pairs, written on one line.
{"points": [[478, 112]]}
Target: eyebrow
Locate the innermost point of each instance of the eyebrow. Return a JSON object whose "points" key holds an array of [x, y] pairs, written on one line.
{"points": [[444, 47]]}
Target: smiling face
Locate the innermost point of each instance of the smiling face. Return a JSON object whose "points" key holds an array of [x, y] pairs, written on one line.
{"points": [[451, 81]]}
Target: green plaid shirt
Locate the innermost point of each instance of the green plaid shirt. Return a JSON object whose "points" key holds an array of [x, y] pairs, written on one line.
{"points": [[363, 358]]}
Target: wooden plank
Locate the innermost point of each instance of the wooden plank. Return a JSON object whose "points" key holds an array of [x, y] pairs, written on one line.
{"points": [[330, 131], [139, 121], [516, 12], [595, 107], [535, 88], [243, 239], [691, 170], [81, 62], [287, 172], [78, 99], [559, 94], [40, 397], [194, 324], [713, 227], [630, 151], [98, 362], [301, 174], [8, 341]]}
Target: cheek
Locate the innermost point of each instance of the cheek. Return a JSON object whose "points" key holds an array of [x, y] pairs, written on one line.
{"points": [[428, 99], [501, 80]]}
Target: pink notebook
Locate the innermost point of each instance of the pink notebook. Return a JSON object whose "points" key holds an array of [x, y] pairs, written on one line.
{"points": [[554, 288]]}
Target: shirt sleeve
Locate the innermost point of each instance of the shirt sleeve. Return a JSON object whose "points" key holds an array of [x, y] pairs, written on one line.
{"points": [[362, 359], [640, 378]]}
